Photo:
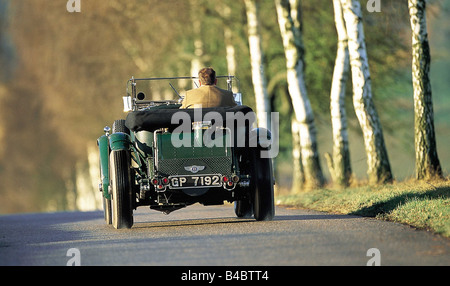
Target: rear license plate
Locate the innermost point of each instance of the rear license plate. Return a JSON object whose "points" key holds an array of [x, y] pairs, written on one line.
{"points": [[203, 181]]}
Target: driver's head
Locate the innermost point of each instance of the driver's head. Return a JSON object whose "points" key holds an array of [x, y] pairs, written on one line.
{"points": [[207, 76]]}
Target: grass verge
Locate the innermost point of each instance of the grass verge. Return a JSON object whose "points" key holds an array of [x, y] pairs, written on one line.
{"points": [[423, 205]]}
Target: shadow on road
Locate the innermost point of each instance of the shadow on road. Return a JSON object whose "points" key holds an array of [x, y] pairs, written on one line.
{"points": [[233, 220], [313, 217], [190, 222]]}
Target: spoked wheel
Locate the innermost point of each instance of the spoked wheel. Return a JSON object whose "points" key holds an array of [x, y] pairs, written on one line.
{"points": [[121, 195], [262, 185]]}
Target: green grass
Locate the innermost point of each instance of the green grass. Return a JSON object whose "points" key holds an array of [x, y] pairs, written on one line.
{"points": [[424, 205]]}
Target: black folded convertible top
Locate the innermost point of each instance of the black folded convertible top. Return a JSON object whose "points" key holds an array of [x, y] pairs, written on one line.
{"points": [[153, 119]]}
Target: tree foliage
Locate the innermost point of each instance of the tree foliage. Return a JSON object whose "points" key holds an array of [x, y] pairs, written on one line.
{"points": [[68, 71]]}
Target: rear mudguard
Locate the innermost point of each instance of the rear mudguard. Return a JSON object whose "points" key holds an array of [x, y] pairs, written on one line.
{"points": [[103, 147], [119, 141], [114, 142]]}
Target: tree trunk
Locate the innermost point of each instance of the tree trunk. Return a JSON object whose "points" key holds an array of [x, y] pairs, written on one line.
{"points": [[298, 176], [229, 43], [88, 198], [427, 161], [379, 169], [339, 164], [228, 39], [294, 51], [196, 62], [256, 57]]}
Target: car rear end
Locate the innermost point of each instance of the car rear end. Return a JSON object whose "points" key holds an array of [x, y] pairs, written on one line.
{"points": [[194, 162]]}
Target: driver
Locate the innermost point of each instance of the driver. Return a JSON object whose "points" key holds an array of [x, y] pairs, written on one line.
{"points": [[208, 94]]}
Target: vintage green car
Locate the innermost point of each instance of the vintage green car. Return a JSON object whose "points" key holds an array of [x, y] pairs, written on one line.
{"points": [[168, 158]]}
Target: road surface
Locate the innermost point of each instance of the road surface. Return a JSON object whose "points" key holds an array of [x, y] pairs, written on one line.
{"points": [[199, 236]]}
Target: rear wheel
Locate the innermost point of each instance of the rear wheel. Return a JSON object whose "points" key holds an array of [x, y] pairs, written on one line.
{"points": [[107, 210], [121, 195], [262, 182], [119, 126], [243, 208]]}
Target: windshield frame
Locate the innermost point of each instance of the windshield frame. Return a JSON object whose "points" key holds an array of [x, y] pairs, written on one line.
{"points": [[135, 101]]}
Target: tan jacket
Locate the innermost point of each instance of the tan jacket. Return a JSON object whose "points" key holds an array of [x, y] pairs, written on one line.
{"points": [[208, 96]]}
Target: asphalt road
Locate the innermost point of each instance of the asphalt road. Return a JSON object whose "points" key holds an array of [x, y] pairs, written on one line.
{"points": [[198, 236]]}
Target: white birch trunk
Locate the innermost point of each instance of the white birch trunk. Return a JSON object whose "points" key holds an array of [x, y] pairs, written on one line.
{"points": [[231, 53], [256, 58], [298, 178], [379, 170], [229, 46], [88, 198], [196, 62], [228, 37], [293, 47], [339, 164], [427, 161]]}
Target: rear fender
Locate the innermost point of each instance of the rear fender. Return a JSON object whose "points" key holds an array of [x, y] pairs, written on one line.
{"points": [[119, 141]]}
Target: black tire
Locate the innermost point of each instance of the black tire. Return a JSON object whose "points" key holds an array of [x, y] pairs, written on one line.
{"points": [[122, 194], [243, 208], [119, 126], [262, 185]]}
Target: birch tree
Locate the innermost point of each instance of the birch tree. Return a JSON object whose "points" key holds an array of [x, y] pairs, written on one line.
{"points": [[196, 62], [298, 174], [256, 58], [427, 161], [339, 163], [228, 38], [379, 169], [294, 51]]}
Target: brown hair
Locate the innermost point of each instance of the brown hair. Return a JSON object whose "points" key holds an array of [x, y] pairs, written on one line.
{"points": [[207, 76]]}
